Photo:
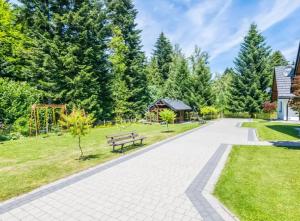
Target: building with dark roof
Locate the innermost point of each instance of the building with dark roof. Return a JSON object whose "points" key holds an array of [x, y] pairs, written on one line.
{"points": [[282, 89], [181, 109]]}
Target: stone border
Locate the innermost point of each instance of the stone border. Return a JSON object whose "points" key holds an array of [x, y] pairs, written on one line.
{"points": [[225, 213], [18, 201], [252, 135], [195, 191]]}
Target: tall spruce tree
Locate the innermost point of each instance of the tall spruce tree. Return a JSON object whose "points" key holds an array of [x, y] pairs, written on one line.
{"points": [[120, 92], [200, 87], [252, 73], [177, 85], [154, 79], [221, 89], [163, 52], [122, 14], [69, 59], [277, 59]]}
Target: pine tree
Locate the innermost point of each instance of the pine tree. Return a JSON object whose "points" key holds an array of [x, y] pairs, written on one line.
{"points": [[163, 51], [253, 76], [177, 85], [200, 87], [69, 59], [277, 59], [221, 90], [122, 14], [120, 92], [154, 79]]}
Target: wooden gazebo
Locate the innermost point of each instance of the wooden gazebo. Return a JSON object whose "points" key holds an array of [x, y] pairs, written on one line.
{"points": [[181, 109]]}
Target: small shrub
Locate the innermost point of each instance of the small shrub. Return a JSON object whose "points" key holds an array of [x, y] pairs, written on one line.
{"points": [[16, 99], [78, 124], [21, 126], [236, 115], [269, 107], [209, 112], [150, 116], [167, 116], [266, 116]]}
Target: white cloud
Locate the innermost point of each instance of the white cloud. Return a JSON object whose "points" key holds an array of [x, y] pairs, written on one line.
{"points": [[290, 52], [216, 26]]}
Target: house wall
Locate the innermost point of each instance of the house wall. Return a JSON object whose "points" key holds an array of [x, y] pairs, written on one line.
{"points": [[285, 112]]}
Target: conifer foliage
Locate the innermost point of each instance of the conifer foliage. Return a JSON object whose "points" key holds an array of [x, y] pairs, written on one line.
{"points": [[68, 59], [88, 54], [253, 75], [163, 53], [122, 14]]}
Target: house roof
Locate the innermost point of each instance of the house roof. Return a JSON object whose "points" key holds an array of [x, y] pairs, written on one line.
{"points": [[284, 75], [176, 105]]}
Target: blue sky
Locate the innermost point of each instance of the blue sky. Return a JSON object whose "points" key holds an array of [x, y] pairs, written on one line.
{"points": [[218, 26]]}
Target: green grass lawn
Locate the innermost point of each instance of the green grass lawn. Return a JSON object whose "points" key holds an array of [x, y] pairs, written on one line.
{"points": [[262, 183], [28, 163], [274, 131]]}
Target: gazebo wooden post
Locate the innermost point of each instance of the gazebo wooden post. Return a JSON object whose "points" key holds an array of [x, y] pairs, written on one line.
{"points": [[47, 120]]}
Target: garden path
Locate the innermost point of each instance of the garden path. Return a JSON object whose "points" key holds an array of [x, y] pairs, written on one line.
{"points": [[161, 182]]}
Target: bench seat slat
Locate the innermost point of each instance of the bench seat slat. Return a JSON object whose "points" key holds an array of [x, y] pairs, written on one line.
{"points": [[120, 134]]}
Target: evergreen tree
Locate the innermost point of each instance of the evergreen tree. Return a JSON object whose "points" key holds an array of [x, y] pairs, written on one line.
{"points": [[252, 73], [69, 59], [200, 86], [177, 85], [221, 89], [120, 92], [122, 14], [277, 59], [154, 79], [163, 51]]}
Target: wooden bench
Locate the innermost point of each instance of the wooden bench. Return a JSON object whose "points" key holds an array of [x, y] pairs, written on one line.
{"points": [[124, 138]]}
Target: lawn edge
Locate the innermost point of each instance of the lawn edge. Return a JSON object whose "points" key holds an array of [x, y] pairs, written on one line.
{"points": [[208, 191], [46, 189]]}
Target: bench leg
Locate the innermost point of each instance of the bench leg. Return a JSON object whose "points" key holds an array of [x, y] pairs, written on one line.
{"points": [[122, 151], [141, 141], [113, 148]]}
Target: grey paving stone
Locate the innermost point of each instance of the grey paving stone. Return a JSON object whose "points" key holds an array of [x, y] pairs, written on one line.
{"points": [[161, 180]]}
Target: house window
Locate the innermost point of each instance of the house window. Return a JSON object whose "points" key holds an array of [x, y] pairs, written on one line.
{"points": [[280, 106]]}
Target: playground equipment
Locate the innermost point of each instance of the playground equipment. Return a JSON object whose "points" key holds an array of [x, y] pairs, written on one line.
{"points": [[45, 117]]}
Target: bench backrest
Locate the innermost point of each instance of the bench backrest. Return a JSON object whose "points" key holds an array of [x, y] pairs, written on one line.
{"points": [[122, 136]]}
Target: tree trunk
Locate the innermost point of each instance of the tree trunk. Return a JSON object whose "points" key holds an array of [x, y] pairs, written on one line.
{"points": [[81, 155]]}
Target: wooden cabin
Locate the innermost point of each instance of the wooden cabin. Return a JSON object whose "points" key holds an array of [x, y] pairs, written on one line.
{"points": [[181, 109]]}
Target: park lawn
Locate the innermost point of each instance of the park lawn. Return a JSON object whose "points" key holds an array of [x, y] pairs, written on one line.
{"points": [[274, 131], [28, 163], [261, 183]]}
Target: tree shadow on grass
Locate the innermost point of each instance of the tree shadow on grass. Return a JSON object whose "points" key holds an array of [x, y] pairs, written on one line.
{"points": [[168, 131], [292, 145], [286, 129], [90, 157]]}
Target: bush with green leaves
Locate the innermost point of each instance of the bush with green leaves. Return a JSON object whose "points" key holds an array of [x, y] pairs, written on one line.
{"points": [[78, 124], [21, 126], [16, 99], [167, 116], [209, 112], [228, 114]]}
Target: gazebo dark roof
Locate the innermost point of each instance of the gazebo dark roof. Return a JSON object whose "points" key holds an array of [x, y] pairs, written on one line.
{"points": [[176, 105]]}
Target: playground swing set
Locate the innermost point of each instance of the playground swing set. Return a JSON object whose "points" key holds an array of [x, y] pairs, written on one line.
{"points": [[44, 118]]}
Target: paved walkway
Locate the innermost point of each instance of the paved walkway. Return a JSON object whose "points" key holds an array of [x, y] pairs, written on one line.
{"points": [[156, 183]]}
